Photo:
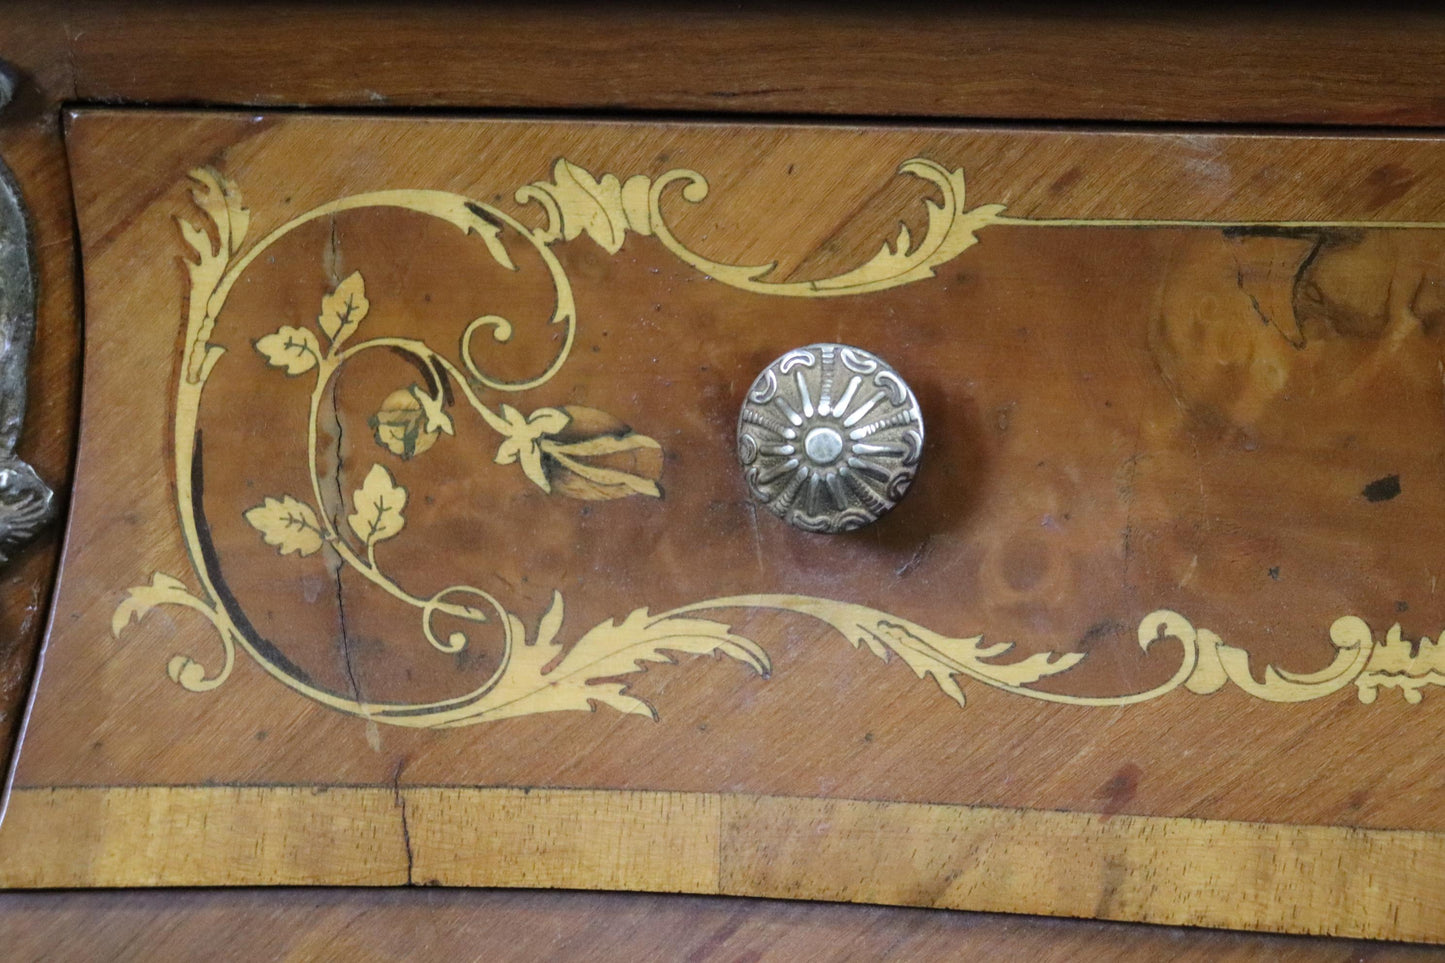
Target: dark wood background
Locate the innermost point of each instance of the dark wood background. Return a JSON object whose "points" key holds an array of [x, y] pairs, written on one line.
{"points": [[378, 926], [1291, 64]]}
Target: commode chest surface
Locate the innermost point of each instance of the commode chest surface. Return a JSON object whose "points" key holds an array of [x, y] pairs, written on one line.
{"points": [[415, 535]]}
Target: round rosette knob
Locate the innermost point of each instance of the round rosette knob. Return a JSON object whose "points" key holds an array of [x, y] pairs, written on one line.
{"points": [[829, 437]]}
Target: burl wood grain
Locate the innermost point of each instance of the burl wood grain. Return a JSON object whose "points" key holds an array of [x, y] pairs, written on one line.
{"points": [[1240, 423]]}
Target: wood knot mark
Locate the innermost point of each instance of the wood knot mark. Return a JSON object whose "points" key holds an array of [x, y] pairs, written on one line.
{"points": [[1382, 489], [1388, 183], [1120, 790]]}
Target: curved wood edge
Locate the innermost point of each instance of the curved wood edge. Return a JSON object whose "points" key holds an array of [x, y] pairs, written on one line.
{"points": [[375, 925], [1377, 884], [35, 153]]}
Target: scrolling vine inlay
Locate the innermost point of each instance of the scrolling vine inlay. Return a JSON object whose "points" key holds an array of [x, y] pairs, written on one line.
{"points": [[564, 452]]}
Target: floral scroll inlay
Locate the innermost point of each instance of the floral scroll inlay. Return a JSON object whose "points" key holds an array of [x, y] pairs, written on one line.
{"points": [[575, 452]]}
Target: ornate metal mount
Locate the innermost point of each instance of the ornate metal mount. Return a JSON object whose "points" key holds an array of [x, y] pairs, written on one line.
{"points": [[829, 437], [26, 502]]}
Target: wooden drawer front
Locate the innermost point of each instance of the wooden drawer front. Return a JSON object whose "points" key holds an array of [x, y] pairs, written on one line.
{"points": [[408, 473]]}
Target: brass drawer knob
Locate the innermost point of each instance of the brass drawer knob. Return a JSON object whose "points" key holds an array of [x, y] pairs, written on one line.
{"points": [[829, 437]]}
